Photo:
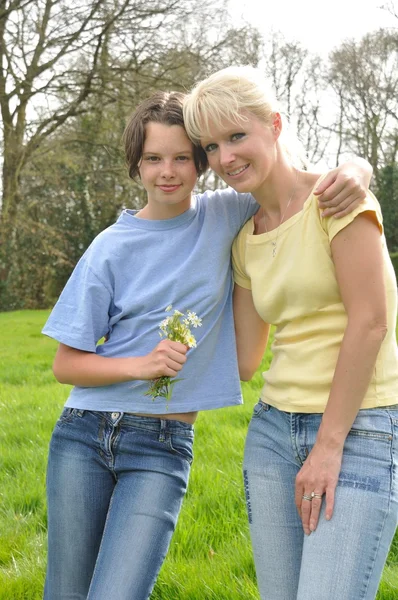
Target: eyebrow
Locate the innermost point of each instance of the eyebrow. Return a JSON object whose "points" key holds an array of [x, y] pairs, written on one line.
{"points": [[224, 133], [159, 153]]}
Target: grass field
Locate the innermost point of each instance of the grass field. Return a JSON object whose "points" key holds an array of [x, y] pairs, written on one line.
{"points": [[210, 556]]}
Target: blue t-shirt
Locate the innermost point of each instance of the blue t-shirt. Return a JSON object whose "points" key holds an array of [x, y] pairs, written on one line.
{"points": [[122, 285]]}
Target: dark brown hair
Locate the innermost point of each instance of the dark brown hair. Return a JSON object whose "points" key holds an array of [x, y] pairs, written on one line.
{"points": [[161, 107]]}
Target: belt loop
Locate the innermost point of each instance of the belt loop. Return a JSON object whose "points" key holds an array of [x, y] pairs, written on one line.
{"points": [[162, 432]]}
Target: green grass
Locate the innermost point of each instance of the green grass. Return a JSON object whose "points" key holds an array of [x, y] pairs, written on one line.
{"points": [[210, 556]]}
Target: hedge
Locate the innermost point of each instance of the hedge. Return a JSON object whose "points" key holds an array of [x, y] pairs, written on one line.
{"points": [[394, 258]]}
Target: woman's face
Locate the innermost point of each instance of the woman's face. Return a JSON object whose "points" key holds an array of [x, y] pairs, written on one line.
{"points": [[242, 155]]}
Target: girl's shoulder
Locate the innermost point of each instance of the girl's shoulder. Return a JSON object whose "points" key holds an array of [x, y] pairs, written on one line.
{"points": [[228, 207]]}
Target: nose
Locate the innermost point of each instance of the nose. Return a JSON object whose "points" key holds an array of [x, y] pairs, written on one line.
{"points": [[227, 156], [168, 169]]}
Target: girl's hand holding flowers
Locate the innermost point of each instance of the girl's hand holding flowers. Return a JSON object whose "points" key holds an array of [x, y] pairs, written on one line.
{"points": [[176, 329], [166, 359]]}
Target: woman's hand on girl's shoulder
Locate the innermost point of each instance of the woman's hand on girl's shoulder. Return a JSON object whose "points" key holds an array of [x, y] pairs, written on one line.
{"points": [[344, 188]]}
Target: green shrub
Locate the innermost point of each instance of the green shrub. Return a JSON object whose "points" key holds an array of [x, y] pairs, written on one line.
{"points": [[394, 258]]}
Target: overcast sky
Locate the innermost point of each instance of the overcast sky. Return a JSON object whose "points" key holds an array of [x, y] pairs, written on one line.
{"points": [[319, 26]]}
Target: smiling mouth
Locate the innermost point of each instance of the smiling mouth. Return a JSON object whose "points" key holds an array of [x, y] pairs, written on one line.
{"points": [[169, 188], [238, 171]]}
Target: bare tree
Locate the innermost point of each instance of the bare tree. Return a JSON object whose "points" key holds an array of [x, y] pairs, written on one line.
{"points": [[70, 73], [51, 57], [364, 76], [392, 7], [297, 77], [283, 63]]}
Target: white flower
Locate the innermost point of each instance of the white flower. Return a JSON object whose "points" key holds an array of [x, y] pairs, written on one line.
{"points": [[191, 341], [177, 329], [194, 319]]}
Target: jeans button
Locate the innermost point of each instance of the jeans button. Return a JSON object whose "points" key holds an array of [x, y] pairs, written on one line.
{"points": [[115, 415]]}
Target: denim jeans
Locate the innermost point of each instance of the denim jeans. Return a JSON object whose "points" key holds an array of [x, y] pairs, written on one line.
{"points": [[344, 558], [115, 484]]}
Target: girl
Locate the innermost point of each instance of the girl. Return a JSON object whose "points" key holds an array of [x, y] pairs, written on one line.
{"points": [[119, 462], [324, 436]]}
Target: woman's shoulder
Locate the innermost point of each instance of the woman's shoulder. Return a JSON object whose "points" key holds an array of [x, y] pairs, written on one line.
{"points": [[369, 205]]}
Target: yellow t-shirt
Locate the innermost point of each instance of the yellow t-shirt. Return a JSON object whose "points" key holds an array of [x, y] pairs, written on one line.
{"points": [[297, 292]]}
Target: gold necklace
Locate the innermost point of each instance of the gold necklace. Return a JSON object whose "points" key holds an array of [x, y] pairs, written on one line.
{"points": [[275, 241]]}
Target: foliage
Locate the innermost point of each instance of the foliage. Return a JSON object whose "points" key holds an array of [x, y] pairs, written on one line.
{"points": [[394, 260], [387, 194], [73, 74], [364, 77], [299, 83]]}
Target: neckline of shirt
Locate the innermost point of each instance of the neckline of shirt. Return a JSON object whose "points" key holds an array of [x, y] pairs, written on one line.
{"points": [[267, 236], [128, 217]]}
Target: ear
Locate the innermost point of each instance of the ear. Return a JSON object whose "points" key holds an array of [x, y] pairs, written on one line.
{"points": [[277, 125]]}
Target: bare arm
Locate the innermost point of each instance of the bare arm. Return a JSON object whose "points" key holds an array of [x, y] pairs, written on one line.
{"points": [[88, 369], [251, 333], [344, 187], [357, 254]]}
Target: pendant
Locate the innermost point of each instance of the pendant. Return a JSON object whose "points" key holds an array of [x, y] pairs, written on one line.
{"points": [[273, 249]]}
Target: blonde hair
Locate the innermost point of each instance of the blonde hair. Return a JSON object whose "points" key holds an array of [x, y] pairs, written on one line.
{"points": [[226, 95]]}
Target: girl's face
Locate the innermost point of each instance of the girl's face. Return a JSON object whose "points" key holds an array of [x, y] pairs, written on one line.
{"points": [[167, 170], [243, 155]]}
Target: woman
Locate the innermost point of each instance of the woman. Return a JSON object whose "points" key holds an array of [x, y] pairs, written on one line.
{"points": [[324, 437]]}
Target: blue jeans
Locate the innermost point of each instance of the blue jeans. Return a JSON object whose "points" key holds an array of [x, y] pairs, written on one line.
{"points": [[115, 484], [344, 558]]}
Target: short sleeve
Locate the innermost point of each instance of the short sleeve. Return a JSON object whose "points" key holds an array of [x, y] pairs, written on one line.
{"points": [[234, 208], [332, 226], [80, 318], [239, 258]]}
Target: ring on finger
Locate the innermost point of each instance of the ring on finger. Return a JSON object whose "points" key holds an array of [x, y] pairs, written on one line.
{"points": [[307, 497], [315, 495]]}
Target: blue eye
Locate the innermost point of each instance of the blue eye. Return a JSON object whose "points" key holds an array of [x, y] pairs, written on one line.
{"points": [[237, 136], [210, 147]]}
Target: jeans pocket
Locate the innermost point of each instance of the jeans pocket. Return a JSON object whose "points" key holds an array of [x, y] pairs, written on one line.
{"points": [[372, 424], [374, 435], [68, 414], [181, 445]]}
